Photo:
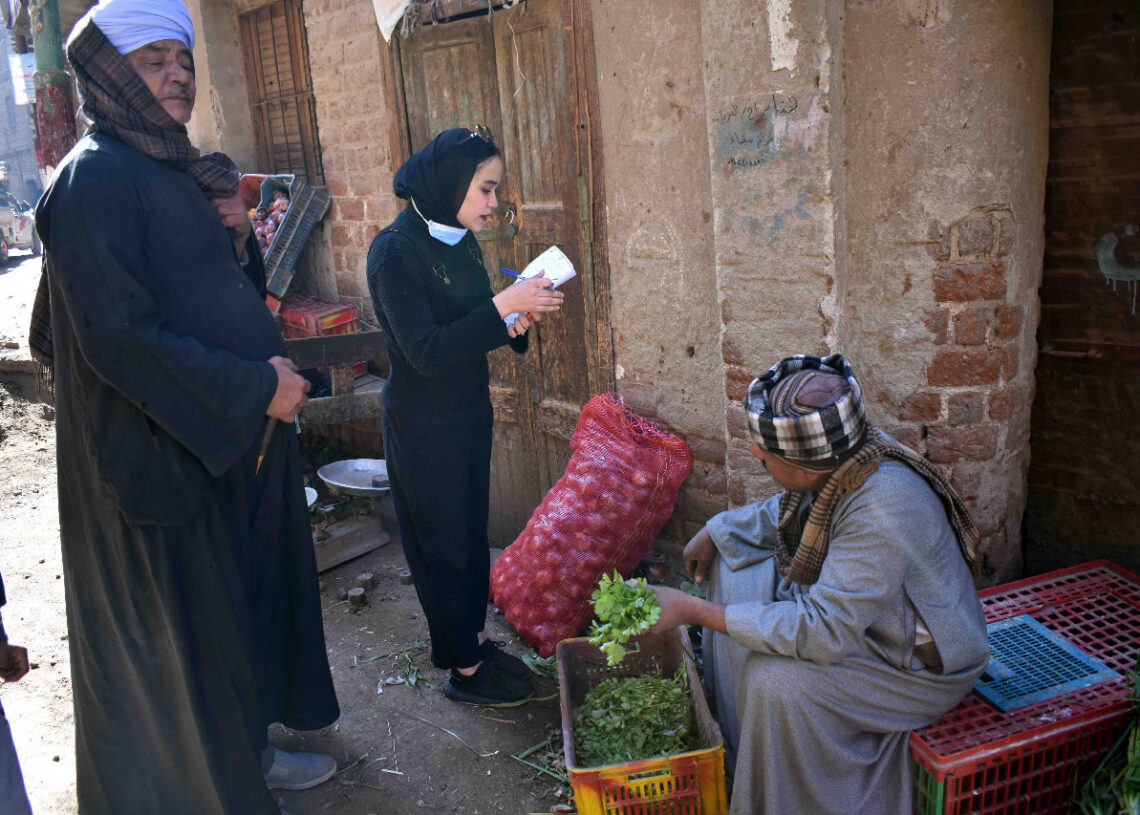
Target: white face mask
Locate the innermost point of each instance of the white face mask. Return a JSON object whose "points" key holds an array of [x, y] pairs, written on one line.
{"points": [[450, 235]]}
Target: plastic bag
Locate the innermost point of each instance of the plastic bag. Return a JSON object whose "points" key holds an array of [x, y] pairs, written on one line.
{"points": [[616, 494]]}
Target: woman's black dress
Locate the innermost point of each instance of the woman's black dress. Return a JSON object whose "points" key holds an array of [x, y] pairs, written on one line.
{"points": [[434, 303]]}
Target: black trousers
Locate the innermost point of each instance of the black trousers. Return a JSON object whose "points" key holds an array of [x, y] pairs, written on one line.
{"points": [[439, 467]]}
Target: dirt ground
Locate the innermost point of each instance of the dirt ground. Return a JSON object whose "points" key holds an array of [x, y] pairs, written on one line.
{"points": [[401, 746]]}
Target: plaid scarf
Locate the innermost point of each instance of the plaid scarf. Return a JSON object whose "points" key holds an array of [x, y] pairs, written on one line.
{"points": [[800, 552], [115, 101]]}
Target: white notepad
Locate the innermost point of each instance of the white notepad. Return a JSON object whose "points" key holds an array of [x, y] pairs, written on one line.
{"points": [[557, 268]]}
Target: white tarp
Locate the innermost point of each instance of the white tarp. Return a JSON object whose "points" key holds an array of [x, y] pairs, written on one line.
{"points": [[388, 15]]}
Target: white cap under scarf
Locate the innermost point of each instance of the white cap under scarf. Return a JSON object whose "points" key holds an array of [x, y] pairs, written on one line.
{"points": [[131, 24]]}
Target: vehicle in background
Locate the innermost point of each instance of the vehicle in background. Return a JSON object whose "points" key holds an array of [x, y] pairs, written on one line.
{"points": [[17, 224]]}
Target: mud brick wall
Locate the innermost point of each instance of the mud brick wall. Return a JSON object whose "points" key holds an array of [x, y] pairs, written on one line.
{"points": [[705, 491], [1084, 481], [775, 183]]}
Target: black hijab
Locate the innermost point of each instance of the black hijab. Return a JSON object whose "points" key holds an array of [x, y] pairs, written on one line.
{"points": [[438, 176]]}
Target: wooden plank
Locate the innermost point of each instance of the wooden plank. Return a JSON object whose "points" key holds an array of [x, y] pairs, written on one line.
{"points": [[595, 239], [342, 376], [531, 54], [349, 407], [348, 540], [505, 403], [558, 418], [313, 352], [452, 8], [306, 109], [394, 79], [254, 84], [243, 7]]}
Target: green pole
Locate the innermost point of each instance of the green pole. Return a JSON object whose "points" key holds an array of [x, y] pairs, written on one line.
{"points": [[55, 109], [47, 36]]}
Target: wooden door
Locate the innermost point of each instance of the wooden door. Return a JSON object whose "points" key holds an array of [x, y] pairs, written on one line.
{"points": [[513, 76]]}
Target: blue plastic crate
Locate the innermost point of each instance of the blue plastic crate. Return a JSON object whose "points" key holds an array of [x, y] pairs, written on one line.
{"points": [[1030, 663]]}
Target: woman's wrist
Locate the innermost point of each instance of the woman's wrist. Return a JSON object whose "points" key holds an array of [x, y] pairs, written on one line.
{"points": [[500, 305]]}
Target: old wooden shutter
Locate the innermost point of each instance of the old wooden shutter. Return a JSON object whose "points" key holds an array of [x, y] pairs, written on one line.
{"points": [[275, 50]]}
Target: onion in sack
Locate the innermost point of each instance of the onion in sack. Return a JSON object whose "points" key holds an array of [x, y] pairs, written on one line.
{"points": [[618, 490]]}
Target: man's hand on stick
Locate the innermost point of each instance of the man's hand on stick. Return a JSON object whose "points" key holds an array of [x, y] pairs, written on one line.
{"points": [[291, 389]]}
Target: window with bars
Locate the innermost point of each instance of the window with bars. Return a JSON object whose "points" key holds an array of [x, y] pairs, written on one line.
{"points": [[275, 51]]}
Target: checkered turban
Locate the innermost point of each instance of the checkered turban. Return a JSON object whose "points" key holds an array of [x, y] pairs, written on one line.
{"points": [[808, 410]]}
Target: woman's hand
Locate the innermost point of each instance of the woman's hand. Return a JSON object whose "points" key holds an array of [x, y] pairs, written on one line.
{"points": [[520, 325], [532, 296]]}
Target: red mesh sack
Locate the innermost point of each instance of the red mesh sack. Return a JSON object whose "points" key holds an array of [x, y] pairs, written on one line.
{"points": [[618, 490]]}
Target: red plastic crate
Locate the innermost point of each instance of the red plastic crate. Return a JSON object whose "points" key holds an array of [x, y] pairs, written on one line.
{"points": [[306, 316], [978, 759]]}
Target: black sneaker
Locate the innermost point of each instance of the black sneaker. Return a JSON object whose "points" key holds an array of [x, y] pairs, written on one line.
{"points": [[511, 665], [488, 686]]}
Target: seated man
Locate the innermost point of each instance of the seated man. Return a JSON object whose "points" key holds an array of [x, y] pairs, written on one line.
{"points": [[843, 612]]}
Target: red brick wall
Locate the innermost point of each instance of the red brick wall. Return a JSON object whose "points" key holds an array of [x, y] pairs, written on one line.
{"points": [[349, 64], [971, 417], [1084, 482], [348, 61]]}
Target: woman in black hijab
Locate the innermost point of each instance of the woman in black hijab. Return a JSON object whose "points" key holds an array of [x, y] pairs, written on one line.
{"points": [[433, 299]]}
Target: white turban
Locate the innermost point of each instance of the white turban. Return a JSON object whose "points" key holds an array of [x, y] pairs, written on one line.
{"points": [[131, 24]]}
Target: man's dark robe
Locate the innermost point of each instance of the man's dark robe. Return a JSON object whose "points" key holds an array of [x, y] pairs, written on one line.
{"points": [[192, 605]]}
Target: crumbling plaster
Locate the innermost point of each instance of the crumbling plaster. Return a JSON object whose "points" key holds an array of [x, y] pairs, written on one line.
{"points": [[838, 135], [946, 123], [664, 310], [768, 81], [221, 118], [779, 178], [940, 119]]}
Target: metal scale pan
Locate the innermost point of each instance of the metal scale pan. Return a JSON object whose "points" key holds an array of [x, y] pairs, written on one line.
{"points": [[365, 477]]}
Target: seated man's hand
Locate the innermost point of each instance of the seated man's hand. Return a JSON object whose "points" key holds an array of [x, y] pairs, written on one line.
{"points": [[291, 389], [679, 608], [698, 555], [13, 662], [675, 609]]}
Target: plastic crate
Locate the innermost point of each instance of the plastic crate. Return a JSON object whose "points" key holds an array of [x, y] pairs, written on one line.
{"points": [[1029, 663], [306, 316], [1032, 759], [307, 206], [689, 783]]}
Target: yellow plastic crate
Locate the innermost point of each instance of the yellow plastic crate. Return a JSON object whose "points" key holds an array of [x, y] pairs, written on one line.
{"points": [[689, 783]]}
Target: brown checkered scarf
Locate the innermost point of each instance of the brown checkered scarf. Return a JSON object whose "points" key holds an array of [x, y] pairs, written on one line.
{"points": [[115, 101], [800, 552]]}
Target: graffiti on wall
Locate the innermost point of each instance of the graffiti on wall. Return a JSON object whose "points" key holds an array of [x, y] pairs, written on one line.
{"points": [[1113, 270], [754, 134]]}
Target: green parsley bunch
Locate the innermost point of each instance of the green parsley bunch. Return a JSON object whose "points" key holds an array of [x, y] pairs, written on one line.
{"points": [[633, 718], [625, 608]]}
